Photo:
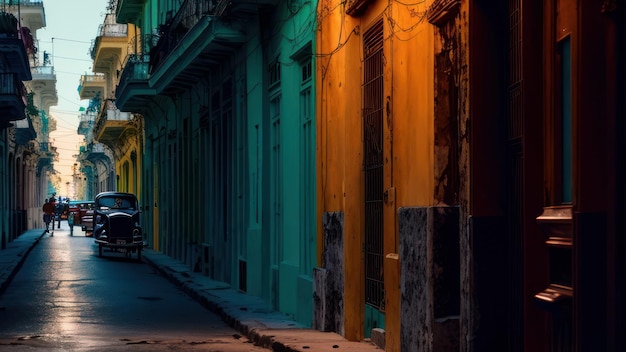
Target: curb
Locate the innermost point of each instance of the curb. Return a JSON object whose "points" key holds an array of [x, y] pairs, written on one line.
{"points": [[250, 315], [22, 255]]}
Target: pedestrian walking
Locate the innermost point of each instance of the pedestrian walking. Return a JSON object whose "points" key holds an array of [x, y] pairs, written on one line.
{"points": [[48, 214], [70, 222], [58, 210]]}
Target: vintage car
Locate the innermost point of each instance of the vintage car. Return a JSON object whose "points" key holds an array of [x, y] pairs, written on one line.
{"points": [[86, 222], [117, 223], [62, 210], [79, 208], [72, 208]]}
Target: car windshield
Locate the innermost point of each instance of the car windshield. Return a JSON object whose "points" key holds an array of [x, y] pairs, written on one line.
{"points": [[116, 203]]}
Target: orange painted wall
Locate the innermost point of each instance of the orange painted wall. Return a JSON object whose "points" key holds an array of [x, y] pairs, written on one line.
{"points": [[408, 135]]}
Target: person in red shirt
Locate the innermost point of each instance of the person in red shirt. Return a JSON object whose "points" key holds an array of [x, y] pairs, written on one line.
{"points": [[48, 214]]}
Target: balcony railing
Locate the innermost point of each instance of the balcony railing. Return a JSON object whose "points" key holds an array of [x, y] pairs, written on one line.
{"points": [[24, 131], [92, 78], [92, 86], [22, 2], [134, 85], [189, 14], [87, 79], [12, 97], [10, 85], [13, 46], [95, 151], [117, 115], [86, 123], [109, 29], [136, 68], [92, 150], [87, 117], [42, 72], [110, 112], [128, 11], [191, 11]]}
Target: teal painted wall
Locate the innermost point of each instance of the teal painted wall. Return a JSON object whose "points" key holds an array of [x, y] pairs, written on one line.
{"points": [[230, 162], [281, 147]]}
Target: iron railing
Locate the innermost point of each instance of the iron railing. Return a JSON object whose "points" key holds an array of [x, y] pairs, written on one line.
{"points": [[108, 29], [174, 30], [136, 68]]}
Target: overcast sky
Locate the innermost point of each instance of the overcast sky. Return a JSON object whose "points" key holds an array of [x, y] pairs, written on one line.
{"points": [[71, 25]]}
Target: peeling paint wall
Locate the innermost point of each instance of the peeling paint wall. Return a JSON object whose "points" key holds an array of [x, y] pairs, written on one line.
{"points": [[328, 295], [429, 247], [407, 143]]}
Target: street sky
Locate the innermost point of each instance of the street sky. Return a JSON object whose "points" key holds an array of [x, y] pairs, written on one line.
{"points": [[71, 26]]}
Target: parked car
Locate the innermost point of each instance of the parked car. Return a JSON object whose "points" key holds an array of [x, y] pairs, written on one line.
{"points": [[79, 208], [85, 210], [117, 223], [74, 208], [62, 210], [86, 222]]}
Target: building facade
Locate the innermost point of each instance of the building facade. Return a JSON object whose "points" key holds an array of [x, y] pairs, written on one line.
{"points": [[28, 89], [469, 184], [225, 90], [112, 154], [387, 185], [465, 158]]}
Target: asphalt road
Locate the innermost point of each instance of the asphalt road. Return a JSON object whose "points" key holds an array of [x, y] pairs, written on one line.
{"points": [[67, 298]]}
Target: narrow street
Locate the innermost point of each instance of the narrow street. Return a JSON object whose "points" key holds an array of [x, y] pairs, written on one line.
{"points": [[67, 298]]}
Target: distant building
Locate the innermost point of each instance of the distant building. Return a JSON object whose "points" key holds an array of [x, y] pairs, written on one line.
{"points": [[112, 154]]}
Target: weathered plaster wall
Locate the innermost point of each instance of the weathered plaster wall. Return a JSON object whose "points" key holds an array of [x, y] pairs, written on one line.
{"points": [[407, 133], [429, 243], [328, 281]]}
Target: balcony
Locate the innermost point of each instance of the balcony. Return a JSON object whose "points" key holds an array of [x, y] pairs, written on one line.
{"points": [[134, 87], [91, 86], [110, 45], [193, 42], [31, 18], [24, 131], [47, 154], [241, 8], [43, 73], [112, 124], [196, 40], [31, 13], [95, 152], [86, 123], [43, 85], [12, 97], [12, 47], [129, 11]]}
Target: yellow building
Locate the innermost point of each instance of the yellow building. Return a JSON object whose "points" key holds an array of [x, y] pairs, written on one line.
{"points": [[120, 131]]}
